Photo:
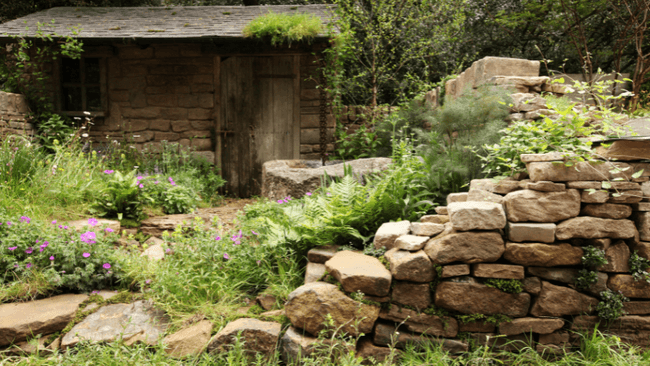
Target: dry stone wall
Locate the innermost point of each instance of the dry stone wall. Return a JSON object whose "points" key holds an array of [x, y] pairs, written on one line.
{"points": [[13, 112], [437, 274]]}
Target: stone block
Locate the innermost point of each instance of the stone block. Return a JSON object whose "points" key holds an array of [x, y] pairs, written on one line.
{"points": [[456, 197], [582, 171], [466, 247], [314, 272], [543, 255], [560, 301], [628, 286], [626, 197], [426, 229], [388, 232], [493, 270], [480, 195], [528, 205], [420, 322], [618, 256], [637, 307], [474, 298], [322, 254], [416, 295], [198, 113], [466, 216], [586, 227], [504, 186], [489, 67], [410, 242], [536, 232], [407, 266], [528, 325], [546, 186], [259, 337], [532, 285], [436, 219], [607, 210], [358, 272]]}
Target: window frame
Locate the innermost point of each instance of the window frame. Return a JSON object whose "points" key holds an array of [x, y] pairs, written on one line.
{"points": [[102, 88]]}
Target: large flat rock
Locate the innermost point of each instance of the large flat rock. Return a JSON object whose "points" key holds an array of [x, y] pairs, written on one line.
{"points": [[282, 178], [632, 329], [629, 287], [137, 322], [388, 232], [408, 266], [21, 320], [543, 255], [190, 341], [420, 322], [528, 325], [307, 308], [582, 171], [474, 298], [534, 206], [359, 272]]}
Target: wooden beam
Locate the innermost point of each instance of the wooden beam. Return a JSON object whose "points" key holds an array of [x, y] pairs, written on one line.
{"points": [[296, 107], [217, 113]]}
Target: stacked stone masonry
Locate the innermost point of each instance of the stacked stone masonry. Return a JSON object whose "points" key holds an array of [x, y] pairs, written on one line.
{"points": [[435, 271], [13, 116]]}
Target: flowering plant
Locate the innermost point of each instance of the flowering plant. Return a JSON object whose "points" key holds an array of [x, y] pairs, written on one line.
{"points": [[122, 197], [69, 259]]}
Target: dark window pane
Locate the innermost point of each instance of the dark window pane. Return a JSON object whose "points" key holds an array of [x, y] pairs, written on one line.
{"points": [[92, 70], [70, 71], [72, 99], [93, 99]]}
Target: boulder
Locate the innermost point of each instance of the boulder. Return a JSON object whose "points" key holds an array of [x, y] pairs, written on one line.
{"points": [[625, 150], [137, 322], [527, 205], [359, 272], [489, 67], [426, 228], [421, 323], [282, 178], [560, 301], [626, 197], [480, 195], [259, 337], [322, 254], [628, 286], [308, 305], [520, 83], [586, 227], [154, 252], [472, 215], [594, 196], [388, 232], [581, 171], [314, 272], [564, 275], [372, 354], [435, 219], [266, 301], [474, 298], [618, 256], [544, 186], [296, 345], [466, 247], [415, 295], [560, 338], [528, 231], [407, 266], [528, 325], [494, 270], [543, 255], [189, 341], [441, 210], [410, 242], [504, 186], [607, 211], [455, 270], [27, 319]]}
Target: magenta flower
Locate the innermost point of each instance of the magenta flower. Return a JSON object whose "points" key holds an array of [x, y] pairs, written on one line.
{"points": [[280, 201], [254, 233], [86, 255], [217, 238], [237, 242], [53, 222], [108, 171], [65, 227], [88, 237], [226, 256], [139, 177], [156, 182], [308, 193], [109, 230], [147, 282], [13, 248], [95, 292], [52, 258], [258, 262], [29, 250], [141, 186], [106, 265], [8, 223], [92, 221], [25, 219], [168, 250], [171, 181], [60, 226], [28, 265]]}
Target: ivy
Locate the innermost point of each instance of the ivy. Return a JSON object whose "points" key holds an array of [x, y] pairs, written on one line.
{"points": [[639, 267]]}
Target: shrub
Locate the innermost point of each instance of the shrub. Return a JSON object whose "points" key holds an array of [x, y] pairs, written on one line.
{"points": [[283, 28], [121, 198], [69, 259]]}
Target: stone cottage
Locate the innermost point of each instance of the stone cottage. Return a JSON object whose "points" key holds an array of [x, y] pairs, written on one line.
{"points": [[188, 75]]}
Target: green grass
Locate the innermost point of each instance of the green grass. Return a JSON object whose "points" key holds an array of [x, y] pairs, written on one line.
{"points": [[284, 28]]}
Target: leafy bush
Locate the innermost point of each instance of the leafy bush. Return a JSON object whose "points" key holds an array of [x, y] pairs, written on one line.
{"points": [[593, 257], [55, 130], [585, 279], [166, 193], [122, 198], [284, 27], [178, 200], [68, 259], [639, 267], [611, 305]]}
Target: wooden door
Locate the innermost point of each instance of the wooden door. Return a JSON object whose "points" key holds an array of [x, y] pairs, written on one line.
{"points": [[259, 113]]}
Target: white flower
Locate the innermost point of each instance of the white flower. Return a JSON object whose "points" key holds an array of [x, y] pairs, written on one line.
{"points": [[87, 113], [84, 135]]}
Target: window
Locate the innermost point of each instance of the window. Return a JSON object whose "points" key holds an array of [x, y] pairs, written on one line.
{"points": [[81, 85]]}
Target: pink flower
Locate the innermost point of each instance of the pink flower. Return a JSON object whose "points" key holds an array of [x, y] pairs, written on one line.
{"points": [[86, 255], [109, 171], [147, 282], [217, 238], [254, 233], [139, 177], [141, 186], [280, 201], [106, 266], [29, 250], [53, 222], [12, 248], [226, 256], [109, 230], [51, 258], [237, 242], [29, 265], [92, 221], [25, 219], [88, 237], [308, 193]]}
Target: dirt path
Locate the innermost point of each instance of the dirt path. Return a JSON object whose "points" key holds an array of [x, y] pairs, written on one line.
{"points": [[229, 211]]}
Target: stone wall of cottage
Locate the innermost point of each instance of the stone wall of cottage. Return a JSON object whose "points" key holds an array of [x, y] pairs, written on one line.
{"points": [[166, 92], [13, 112]]}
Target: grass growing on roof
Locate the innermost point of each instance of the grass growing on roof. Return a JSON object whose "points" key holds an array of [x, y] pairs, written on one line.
{"points": [[284, 27]]}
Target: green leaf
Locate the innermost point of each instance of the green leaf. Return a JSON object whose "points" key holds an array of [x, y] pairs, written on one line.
{"points": [[637, 174]]}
